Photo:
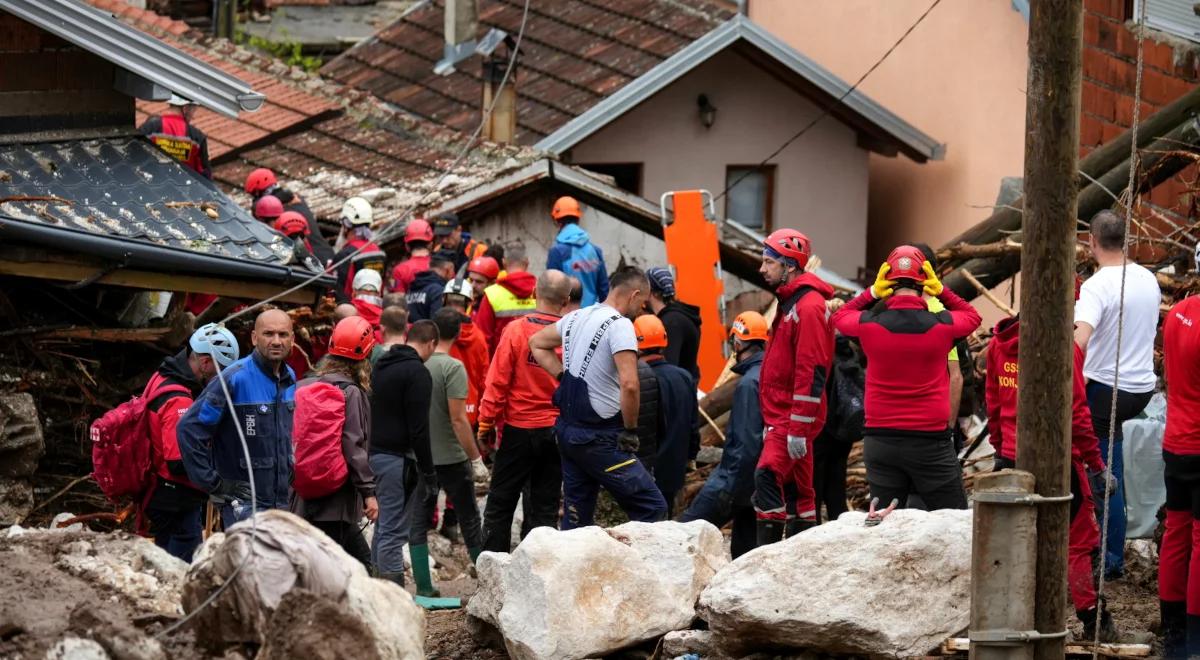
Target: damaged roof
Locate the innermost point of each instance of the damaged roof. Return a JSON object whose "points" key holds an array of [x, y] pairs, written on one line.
{"points": [[123, 198], [573, 56]]}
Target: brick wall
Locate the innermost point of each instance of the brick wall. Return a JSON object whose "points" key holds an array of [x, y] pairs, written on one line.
{"points": [[1171, 69], [48, 85]]}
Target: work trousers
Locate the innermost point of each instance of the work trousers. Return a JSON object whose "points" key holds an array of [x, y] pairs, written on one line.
{"points": [[586, 466], [526, 458], [1129, 405], [1179, 559], [783, 486], [177, 531], [395, 486], [899, 465], [349, 536], [456, 480], [829, 476]]}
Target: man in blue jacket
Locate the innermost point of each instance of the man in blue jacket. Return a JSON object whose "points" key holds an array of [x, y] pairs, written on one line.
{"points": [[262, 388], [726, 494], [678, 434], [574, 253]]}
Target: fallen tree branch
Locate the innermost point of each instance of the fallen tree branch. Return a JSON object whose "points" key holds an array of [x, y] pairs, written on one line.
{"points": [[62, 491], [983, 291]]}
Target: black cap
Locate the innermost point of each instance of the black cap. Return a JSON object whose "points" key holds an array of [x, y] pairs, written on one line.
{"points": [[445, 224]]}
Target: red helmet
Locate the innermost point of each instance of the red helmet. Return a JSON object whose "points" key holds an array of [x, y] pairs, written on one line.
{"points": [[485, 266], [268, 207], [353, 338], [259, 180], [791, 244], [418, 230], [292, 223], [906, 263]]}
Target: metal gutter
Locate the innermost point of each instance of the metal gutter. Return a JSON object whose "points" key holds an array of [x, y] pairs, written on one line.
{"points": [[138, 52], [738, 28], [139, 254]]}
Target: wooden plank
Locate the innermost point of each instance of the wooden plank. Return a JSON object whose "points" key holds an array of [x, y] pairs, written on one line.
{"points": [[138, 279], [963, 645]]}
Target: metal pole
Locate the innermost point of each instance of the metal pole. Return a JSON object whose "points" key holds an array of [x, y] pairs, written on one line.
{"points": [[1003, 546], [1048, 263]]}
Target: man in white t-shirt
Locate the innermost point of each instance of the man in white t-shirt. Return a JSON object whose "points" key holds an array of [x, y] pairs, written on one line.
{"points": [[598, 403], [1096, 325]]}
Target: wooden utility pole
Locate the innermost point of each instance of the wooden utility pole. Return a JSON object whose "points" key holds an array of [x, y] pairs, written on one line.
{"points": [[1047, 300]]}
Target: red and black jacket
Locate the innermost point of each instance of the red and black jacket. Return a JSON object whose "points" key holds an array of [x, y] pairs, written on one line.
{"points": [[797, 361], [165, 411]]}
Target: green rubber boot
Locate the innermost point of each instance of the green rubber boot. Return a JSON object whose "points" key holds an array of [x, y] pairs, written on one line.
{"points": [[420, 568]]}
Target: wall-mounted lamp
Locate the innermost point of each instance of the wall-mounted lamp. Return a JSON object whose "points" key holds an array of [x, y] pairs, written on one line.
{"points": [[708, 111]]}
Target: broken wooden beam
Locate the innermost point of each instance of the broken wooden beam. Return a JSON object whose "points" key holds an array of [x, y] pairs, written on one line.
{"points": [[958, 645]]}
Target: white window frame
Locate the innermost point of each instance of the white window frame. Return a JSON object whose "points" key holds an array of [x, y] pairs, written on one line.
{"points": [[1174, 17]]}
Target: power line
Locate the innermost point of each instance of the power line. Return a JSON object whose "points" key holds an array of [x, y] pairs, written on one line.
{"points": [[829, 108]]}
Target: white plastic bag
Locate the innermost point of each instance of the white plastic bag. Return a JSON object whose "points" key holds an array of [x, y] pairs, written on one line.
{"points": [[1142, 451]]}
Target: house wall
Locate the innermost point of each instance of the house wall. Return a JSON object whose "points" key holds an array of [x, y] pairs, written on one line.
{"points": [[959, 77], [820, 181], [49, 87]]}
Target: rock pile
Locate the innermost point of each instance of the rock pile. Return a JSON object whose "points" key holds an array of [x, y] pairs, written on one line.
{"points": [[21, 445]]}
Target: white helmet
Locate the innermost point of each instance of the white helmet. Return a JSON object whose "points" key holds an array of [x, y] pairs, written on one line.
{"points": [[367, 279], [460, 287], [215, 341], [178, 101], [356, 212]]}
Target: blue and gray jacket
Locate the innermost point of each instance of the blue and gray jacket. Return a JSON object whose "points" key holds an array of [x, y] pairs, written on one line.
{"points": [[262, 407], [575, 254]]}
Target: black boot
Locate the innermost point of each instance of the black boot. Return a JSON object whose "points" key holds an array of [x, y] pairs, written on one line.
{"points": [[796, 525], [398, 578], [1193, 636], [1099, 616], [1173, 621], [769, 531]]}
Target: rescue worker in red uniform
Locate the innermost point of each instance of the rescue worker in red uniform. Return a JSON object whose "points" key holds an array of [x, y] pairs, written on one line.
{"points": [[517, 397], [510, 298], [470, 348], [262, 181], [481, 273], [172, 131], [1084, 535], [174, 507], [792, 391], [908, 447], [1179, 558], [417, 237], [293, 225], [355, 248]]}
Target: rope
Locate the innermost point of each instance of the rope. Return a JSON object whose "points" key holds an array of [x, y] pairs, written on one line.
{"points": [[394, 226], [829, 108], [1131, 191]]}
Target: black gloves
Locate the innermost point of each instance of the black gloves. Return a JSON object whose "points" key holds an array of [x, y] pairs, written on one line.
{"points": [[232, 489], [628, 441]]}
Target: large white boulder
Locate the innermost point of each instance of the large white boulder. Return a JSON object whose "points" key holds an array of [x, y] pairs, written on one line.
{"points": [[589, 592], [895, 590], [287, 554]]}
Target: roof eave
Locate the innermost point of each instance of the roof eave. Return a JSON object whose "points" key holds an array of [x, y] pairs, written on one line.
{"points": [[910, 140], [129, 48]]}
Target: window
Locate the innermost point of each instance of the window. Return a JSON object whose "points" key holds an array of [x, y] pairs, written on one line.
{"points": [[750, 201], [627, 175], [1176, 17]]}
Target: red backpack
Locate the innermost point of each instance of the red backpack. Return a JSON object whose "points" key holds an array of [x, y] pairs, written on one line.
{"points": [[121, 445], [317, 439]]}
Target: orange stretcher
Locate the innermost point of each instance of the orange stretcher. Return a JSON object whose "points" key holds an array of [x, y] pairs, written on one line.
{"points": [[691, 232]]}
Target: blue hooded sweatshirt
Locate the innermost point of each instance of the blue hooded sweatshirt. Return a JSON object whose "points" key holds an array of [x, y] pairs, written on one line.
{"points": [[574, 254]]}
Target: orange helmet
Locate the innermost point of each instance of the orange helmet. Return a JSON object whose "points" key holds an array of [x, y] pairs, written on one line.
{"points": [[750, 326], [565, 207], [650, 332], [906, 263], [485, 266], [258, 181], [292, 223], [353, 338]]}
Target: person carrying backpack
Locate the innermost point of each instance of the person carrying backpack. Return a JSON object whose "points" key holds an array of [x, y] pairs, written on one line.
{"points": [[333, 487]]}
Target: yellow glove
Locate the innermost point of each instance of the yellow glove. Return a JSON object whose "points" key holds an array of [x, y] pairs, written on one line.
{"points": [[933, 286], [883, 287]]}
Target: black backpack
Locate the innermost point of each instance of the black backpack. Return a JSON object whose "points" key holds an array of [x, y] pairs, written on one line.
{"points": [[845, 392]]}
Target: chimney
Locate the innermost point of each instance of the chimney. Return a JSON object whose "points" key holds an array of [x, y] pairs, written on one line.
{"points": [[462, 21], [501, 126]]}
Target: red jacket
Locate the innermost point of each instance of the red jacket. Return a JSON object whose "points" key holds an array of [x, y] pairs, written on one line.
{"points": [[165, 411], [371, 312], [908, 387], [491, 322], [518, 390], [797, 361], [1002, 383], [471, 350], [404, 272], [1181, 354]]}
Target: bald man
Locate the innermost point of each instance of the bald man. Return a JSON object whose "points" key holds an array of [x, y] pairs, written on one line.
{"points": [[258, 408], [344, 311]]}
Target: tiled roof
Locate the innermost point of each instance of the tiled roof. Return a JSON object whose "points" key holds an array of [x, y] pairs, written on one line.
{"points": [[126, 188], [288, 106], [572, 57]]}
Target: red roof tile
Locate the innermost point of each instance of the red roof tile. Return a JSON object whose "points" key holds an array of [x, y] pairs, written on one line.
{"points": [[572, 57]]}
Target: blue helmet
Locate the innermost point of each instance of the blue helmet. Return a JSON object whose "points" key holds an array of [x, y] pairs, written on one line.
{"points": [[217, 342]]}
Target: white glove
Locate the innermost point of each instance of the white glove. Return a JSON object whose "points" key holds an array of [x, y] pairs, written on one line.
{"points": [[479, 471], [797, 447]]}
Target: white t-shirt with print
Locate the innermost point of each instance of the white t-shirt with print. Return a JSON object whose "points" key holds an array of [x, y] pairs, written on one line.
{"points": [[611, 336], [1099, 306]]}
